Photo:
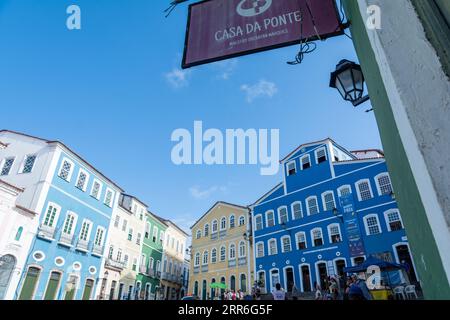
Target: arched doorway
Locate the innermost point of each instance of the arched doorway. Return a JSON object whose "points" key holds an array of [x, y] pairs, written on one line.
{"points": [[306, 278], [7, 265], [243, 282], [213, 290], [339, 265], [196, 288], [222, 291], [233, 283], [289, 279], [204, 290], [30, 283], [322, 274], [274, 278], [404, 258]]}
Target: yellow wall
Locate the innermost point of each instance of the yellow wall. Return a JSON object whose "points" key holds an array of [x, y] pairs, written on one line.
{"points": [[225, 237]]}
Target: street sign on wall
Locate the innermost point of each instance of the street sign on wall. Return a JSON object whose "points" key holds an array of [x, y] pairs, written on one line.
{"points": [[222, 29]]}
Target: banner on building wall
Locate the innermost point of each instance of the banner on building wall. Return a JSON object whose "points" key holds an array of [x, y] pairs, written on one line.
{"points": [[222, 29], [351, 226]]}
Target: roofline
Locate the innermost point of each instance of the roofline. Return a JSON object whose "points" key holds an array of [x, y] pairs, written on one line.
{"points": [[369, 150], [216, 204], [50, 142], [360, 160], [26, 210], [161, 220], [171, 223], [267, 194], [303, 146], [18, 189], [135, 198]]}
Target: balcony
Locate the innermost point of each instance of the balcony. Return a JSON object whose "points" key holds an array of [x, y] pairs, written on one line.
{"points": [[97, 250], [151, 272], [214, 236], [66, 240], [82, 245], [142, 269], [46, 232], [232, 263], [205, 268], [242, 261], [114, 264], [165, 276], [222, 234], [196, 270]]}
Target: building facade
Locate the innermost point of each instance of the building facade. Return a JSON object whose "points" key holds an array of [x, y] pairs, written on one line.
{"points": [[221, 251], [74, 202], [17, 229], [124, 246], [173, 261], [302, 226], [151, 258]]}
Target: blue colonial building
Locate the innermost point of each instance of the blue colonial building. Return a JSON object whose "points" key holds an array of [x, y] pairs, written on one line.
{"points": [[74, 203], [333, 209]]}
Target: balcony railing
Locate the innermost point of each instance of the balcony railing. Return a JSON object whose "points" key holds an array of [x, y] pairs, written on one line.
{"points": [[158, 274], [205, 268], [83, 245], [165, 276], [232, 263], [66, 239], [46, 232], [115, 264], [142, 269], [242, 261], [151, 272], [97, 250]]}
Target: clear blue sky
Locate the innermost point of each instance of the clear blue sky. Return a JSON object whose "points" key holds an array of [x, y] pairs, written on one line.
{"points": [[113, 92]]}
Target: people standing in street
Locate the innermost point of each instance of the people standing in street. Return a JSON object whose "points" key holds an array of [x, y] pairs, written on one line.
{"points": [[318, 294], [279, 293]]}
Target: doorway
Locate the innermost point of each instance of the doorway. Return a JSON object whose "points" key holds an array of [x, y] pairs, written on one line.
{"points": [[340, 266], [289, 276], [322, 274], [7, 265], [306, 278], [120, 291], [404, 257]]}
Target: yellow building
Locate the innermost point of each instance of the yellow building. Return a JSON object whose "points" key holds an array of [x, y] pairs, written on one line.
{"points": [[221, 251]]}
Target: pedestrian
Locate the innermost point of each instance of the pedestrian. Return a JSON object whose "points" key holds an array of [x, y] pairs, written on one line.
{"points": [[358, 290], [334, 290], [318, 295], [279, 293], [295, 293]]}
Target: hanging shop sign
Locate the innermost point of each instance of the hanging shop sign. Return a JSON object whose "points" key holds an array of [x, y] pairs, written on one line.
{"points": [[222, 29], [351, 226]]}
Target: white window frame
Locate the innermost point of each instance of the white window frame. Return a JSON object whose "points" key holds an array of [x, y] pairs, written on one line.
{"points": [[377, 183], [72, 168], [386, 218], [366, 226], [312, 236], [301, 161], [230, 247], [241, 218], [287, 168], [74, 225], [323, 200], [342, 187], [260, 243], [357, 189], [197, 259], [58, 212], [112, 197], [88, 235], [214, 255], [292, 209], [22, 166], [206, 228], [205, 255], [86, 182], [224, 256], [296, 240], [100, 189], [198, 234], [307, 205], [234, 220], [329, 232], [102, 240], [2, 167], [268, 247], [216, 224], [267, 218], [282, 244], [223, 226], [279, 215], [256, 222], [239, 249], [317, 151]]}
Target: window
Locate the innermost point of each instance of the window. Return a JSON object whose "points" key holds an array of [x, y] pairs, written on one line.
{"points": [[99, 235], [222, 253], [384, 185], [206, 230], [82, 180], [7, 165], [214, 226], [241, 221], [158, 266], [51, 216], [18, 234], [130, 234], [232, 252], [296, 208], [124, 225], [96, 189], [316, 235], [372, 224], [270, 219], [155, 234], [286, 244], [364, 190], [111, 252], [151, 263], [312, 205], [199, 234], [135, 262], [328, 201], [85, 230], [242, 249], [258, 223], [138, 238], [272, 247], [321, 155], [260, 249], [143, 259], [291, 168], [223, 223], [197, 259], [117, 221], [334, 233], [65, 172], [306, 162], [393, 220], [344, 190], [119, 256], [147, 230], [69, 223], [282, 215], [126, 258], [214, 255], [232, 221], [29, 163], [161, 236], [300, 238], [109, 197], [205, 258]]}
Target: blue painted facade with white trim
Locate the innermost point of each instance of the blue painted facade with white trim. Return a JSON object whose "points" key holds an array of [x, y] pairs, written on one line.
{"points": [[307, 263]]}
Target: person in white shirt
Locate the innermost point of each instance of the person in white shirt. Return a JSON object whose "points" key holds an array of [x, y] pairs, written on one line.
{"points": [[278, 293]]}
